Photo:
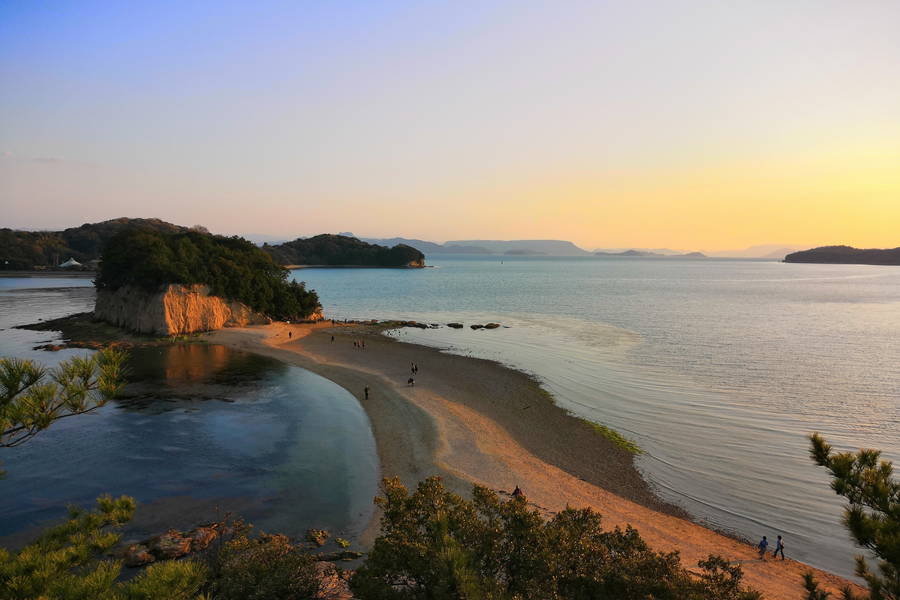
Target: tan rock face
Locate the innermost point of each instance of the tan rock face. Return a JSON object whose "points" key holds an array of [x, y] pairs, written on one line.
{"points": [[176, 310]]}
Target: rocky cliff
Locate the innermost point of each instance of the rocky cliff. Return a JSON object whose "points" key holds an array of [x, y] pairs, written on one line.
{"points": [[174, 310]]}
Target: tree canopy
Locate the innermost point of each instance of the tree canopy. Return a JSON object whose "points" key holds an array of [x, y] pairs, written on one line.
{"points": [[872, 515], [232, 267], [437, 545], [29, 249], [33, 397]]}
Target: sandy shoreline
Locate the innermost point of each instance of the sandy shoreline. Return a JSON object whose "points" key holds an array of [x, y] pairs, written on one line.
{"points": [[476, 421]]}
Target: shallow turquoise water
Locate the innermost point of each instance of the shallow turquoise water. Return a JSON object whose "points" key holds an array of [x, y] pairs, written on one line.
{"points": [[718, 368]]}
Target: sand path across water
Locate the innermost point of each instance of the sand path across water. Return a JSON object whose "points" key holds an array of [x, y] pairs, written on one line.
{"points": [[476, 421]]}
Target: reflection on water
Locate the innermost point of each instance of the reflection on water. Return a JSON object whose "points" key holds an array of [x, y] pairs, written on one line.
{"points": [[199, 430]]}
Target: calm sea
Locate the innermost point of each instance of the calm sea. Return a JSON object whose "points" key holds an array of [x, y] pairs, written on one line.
{"points": [[718, 369], [199, 431]]}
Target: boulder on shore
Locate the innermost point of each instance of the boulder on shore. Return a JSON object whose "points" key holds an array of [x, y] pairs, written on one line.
{"points": [[137, 555], [455, 325], [172, 544], [492, 326], [477, 326]]}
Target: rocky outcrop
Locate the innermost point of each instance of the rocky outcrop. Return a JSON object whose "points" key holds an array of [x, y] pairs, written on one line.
{"points": [[170, 545], [174, 310]]}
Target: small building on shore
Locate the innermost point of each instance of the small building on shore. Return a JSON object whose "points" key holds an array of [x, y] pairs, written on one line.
{"points": [[69, 264]]}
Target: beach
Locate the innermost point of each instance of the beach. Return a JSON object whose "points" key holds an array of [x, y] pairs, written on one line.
{"points": [[474, 421]]}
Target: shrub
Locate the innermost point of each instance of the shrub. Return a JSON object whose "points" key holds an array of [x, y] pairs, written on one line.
{"points": [[266, 567], [65, 563], [436, 545]]}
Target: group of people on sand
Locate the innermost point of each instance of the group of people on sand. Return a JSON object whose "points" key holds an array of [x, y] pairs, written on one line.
{"points": [[763, 547], [359, 344]]}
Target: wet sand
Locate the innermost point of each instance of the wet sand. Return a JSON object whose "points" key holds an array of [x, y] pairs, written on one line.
{"points": [[476, 421]]}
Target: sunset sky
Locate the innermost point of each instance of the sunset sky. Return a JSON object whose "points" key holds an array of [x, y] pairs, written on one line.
{"points": [[688, 124]]}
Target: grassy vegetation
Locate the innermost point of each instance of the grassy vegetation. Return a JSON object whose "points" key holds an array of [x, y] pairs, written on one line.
{"points": [[615, 437]]}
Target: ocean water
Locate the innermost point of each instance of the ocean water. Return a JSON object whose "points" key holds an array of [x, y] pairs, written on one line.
{"points": [[718, 369], [199, 431]]}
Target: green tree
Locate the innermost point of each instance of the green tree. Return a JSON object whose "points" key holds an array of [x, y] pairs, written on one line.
{"points": [[33, 397], [66, 563], [434, 545], [263, 567], [873, 513]]}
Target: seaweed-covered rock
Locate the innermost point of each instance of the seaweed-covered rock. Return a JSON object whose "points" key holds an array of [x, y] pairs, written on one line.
{"points": [[317, 536], [455, 325], [477, 326], [492, 326]]}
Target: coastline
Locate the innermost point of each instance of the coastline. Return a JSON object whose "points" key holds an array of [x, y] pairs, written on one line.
{"points": [[476, 421], [299, 267], [50, 274]]}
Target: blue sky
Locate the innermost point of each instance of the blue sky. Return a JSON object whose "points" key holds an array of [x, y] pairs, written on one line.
{"points": [[689, 124]]}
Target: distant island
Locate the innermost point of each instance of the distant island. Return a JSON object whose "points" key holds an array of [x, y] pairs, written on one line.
{"points": [[846, 255], [507, 247], [647, 254], [340, 250]]}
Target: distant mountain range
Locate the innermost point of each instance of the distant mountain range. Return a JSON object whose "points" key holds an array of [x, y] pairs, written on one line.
{"points": [[24, 249], [507, 247], [773, 251], [566, 248], [846, 255]]}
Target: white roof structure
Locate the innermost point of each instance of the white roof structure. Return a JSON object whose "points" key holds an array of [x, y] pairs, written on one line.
{"points": [[71, 263]]}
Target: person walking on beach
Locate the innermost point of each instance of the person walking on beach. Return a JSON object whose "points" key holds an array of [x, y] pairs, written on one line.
{"points": [[763, 545], [290, 334], [332, 339], [366, 392], [779, 547], [410, 382]]}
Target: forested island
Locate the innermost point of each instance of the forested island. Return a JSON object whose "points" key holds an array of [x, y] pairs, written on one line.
{"points": [[41, 250], [340, 250], [147, 260], [846, 255]]}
